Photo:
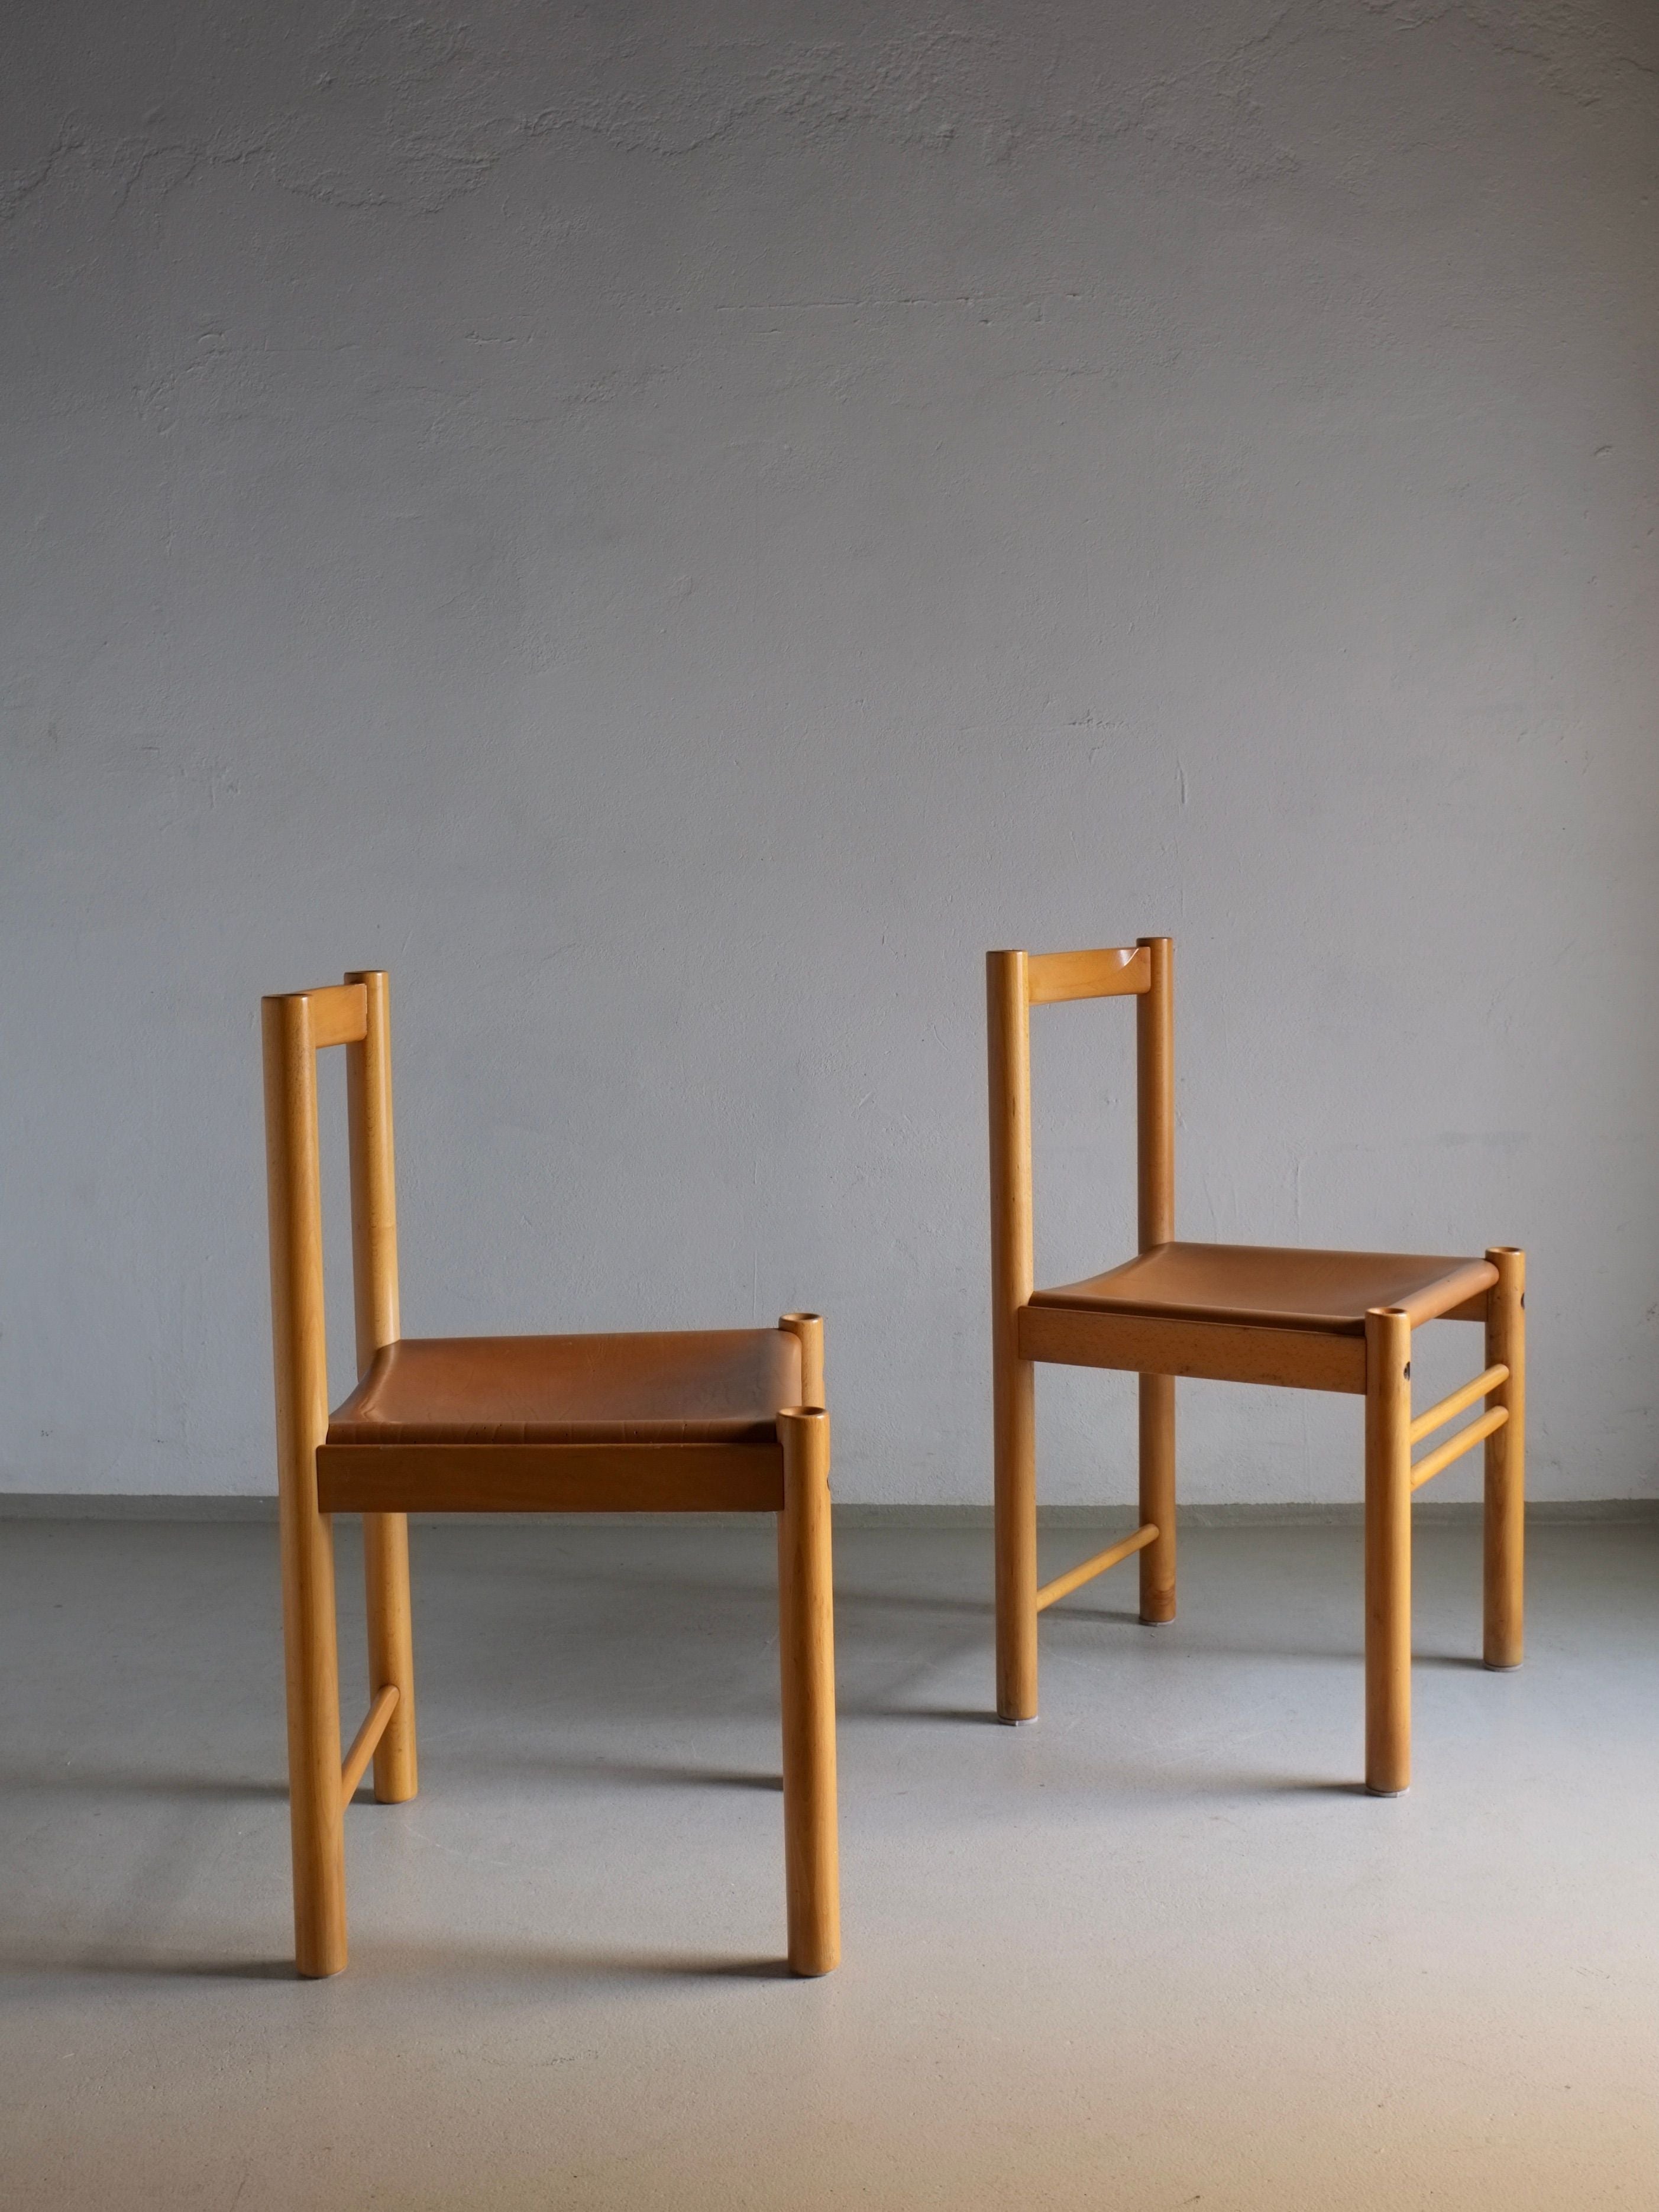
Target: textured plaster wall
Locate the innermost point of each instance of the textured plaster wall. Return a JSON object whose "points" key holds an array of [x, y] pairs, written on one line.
{"points": [[671, 528]]}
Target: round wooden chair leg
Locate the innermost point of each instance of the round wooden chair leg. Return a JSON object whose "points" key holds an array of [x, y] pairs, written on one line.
{"points": [[807, 1651], [1387, 1551], [1157, 1497], [1506, 1463]]}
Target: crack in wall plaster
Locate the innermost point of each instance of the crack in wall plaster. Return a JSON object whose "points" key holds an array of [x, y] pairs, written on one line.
{"points": [[371, 132], [410, 112]]}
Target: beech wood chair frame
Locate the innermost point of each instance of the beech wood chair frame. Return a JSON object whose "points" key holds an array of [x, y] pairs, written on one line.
{"points": [[788, 1477], [1157, 1348]]}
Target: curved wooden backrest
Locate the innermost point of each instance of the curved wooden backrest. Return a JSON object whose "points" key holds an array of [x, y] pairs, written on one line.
{"points": [[1017, 981], [1112, 972]]}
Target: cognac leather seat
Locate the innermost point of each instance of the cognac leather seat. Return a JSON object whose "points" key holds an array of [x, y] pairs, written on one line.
{"points": [[721, 1386], [1273, 1286]]}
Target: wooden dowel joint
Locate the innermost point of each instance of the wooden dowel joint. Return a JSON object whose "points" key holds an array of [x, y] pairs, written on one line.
{"points": [[1074, 1578]]}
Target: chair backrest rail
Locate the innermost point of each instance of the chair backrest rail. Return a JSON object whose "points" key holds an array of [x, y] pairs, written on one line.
{"points": [[339, 1014], [373, 1179], [1113, 972], [1017, 981], [1155, 1096], [298, 1025]]}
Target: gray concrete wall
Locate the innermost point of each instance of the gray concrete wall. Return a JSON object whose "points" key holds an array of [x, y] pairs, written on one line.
{"points": [[672, 528]]}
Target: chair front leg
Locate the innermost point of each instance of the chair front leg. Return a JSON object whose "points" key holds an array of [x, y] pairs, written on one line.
{"points": [[1506, 1461], [1387, 1551], [807, 1644]]}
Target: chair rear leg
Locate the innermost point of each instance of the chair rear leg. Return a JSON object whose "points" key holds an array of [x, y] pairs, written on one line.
{"points": [[1387, 1551], [1506, 1461], [807, 1654], [301, 1366], [1157, 1497], [391, 1651], [1013, 1380], [1015, 1475], [315, 1810]]}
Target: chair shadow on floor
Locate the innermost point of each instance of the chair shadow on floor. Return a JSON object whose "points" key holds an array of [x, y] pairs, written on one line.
{"points": [[390, 1961], [134, 1782], [1200, 1647], [505, 1762], [634, 1773], [136, 1965], [23, 1955], [588, 1965], [848, 1601], [942, 1713]]}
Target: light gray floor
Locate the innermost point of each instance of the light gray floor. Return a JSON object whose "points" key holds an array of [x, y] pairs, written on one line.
{"points": [[1156, 1951]]}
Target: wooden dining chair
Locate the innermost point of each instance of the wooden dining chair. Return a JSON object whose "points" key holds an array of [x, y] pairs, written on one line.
{"points": [[713, 1422], [1237, 1313]]}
